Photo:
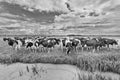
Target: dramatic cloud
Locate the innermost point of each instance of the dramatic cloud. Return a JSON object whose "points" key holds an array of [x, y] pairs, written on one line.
{"points": [[82, 16], [41, 5], [101, 4], [64, 5]]}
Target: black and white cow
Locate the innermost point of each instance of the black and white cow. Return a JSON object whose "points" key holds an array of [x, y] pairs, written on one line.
{"points": [[70, 44], [16, 44]]}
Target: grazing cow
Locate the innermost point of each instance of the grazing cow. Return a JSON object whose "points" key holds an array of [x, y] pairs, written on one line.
{"points": [[38, 41], [19, 45], [22, 40], [83, 42], [32, 44], [109, 42], [29, 43], [100, 44], [118, 41], [54, 40], [70, 44], [75, 43], [48, 42], [11, 42], [92, 43]]}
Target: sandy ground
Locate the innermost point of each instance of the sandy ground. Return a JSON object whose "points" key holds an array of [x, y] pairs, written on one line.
{"points": [[39, 71]]}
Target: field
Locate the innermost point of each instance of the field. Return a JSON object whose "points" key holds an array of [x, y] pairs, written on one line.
{"points": [[94, 66], [58, 18]]}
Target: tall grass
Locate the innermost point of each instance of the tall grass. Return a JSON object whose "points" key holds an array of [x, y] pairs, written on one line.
{"points": [[97, 76], [104, 62]]}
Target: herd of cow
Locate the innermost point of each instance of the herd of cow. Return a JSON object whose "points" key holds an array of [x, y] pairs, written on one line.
{"points": [[68, 43]]}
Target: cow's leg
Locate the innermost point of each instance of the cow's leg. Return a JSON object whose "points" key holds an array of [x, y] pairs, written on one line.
{"points": [[88, 48], [94, 49], [98, 48], [68, 50], [82, 48], [27, 48], [49, 50], [41, 49], [16, 47], [61, 46], [30, 48], [13, 47], [108, 47], [52, 48], [19, 47], [38, 49], [34, 49], [76, 50], [63, 49], [46, 49]]}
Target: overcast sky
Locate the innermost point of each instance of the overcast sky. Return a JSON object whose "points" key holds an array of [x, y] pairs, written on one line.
{"points": [[27, 16]]}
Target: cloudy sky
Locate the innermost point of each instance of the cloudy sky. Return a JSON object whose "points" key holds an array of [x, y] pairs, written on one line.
{"points": [[60, 17]]}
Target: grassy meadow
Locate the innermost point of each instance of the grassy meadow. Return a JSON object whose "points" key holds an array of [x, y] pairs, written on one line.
{"points": [[92, 65]]}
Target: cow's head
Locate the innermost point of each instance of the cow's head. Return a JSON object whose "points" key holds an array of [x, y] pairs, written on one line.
{"points": [[115, 42], [58, 41], [5, 39]]}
